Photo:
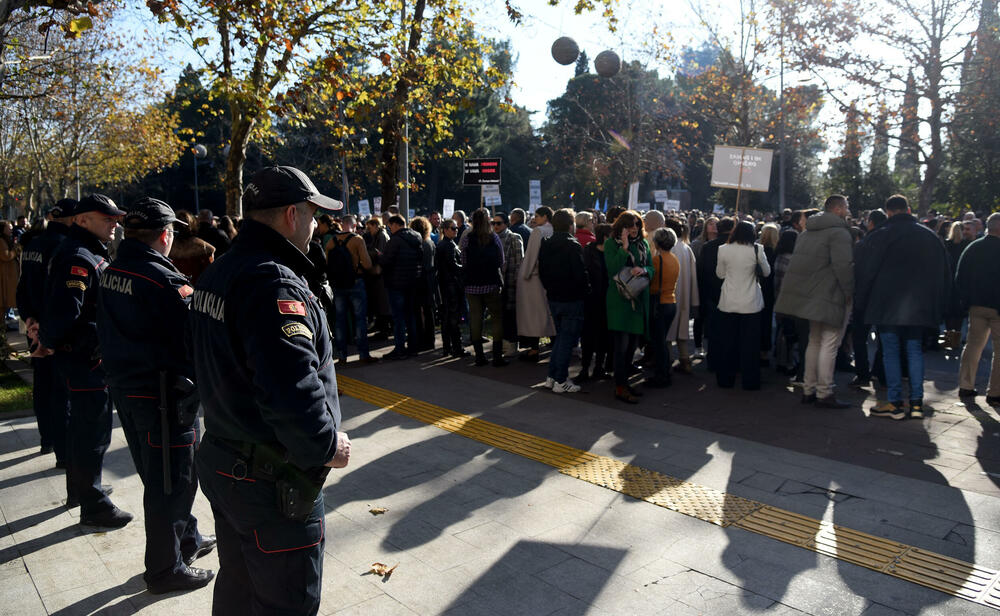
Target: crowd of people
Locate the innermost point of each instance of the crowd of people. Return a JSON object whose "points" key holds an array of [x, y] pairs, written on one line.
{"points": [[159, 313]]}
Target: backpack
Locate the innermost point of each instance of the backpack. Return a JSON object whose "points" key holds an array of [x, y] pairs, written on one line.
{"points": [[340, 264]]}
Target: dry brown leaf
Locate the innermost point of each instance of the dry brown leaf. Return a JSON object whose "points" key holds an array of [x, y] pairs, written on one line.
{"points": [[377, 510], [383, 569]]}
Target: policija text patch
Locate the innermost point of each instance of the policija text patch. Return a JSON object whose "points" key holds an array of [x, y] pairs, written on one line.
{"points": [[296, 329]]}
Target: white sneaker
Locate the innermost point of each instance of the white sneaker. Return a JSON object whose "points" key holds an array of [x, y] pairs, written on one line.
{"points": [[566, 387], [549, 382]]}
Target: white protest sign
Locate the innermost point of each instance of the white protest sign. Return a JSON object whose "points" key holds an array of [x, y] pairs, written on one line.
{"points": [[672, 205], [633, 195], [447, 208], [410, 214], [363, 209], [377, 203], [743, 168], [534, 192], [718, 209], [492, 201], [642, 207], [659, 196]]}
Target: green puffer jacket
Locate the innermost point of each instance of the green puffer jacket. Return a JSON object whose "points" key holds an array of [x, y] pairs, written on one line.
{"points": [[621, 316], [820, 278]]}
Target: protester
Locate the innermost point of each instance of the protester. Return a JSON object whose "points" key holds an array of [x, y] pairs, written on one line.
{"points": [[482, 260], [785, 356], [533, 318], [769, 236], [628, 319], [663, 291], [450, 282], [710, 288], [425, 297], [686, 294], [348, 261], [191, 255], [978, 285], [903, 279], [208, 230], [584, 228], [596, 339], [513, 254], [402, 270], [517, 218], [376, 238], [818, 287], [563, 274], [737, 336]]}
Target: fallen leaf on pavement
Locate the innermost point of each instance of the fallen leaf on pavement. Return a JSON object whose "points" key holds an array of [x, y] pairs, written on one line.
{"points": [[377, 510], [383, 569]]}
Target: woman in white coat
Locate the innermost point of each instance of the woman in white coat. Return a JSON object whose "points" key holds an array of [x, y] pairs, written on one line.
{"points": [[740, 306], [686, 294], [533, 317]]}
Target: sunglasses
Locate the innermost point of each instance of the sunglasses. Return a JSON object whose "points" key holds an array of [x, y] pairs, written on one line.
{"points": [[497, 223]]}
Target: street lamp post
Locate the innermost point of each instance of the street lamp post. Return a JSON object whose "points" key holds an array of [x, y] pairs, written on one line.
{"points": [[345, 184], [199, 151]]}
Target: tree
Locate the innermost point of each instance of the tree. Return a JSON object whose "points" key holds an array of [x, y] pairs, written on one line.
{"points": [[582, 65], [835, 38], [844, 175], [879, 184], [908, 154], [975, 131]]}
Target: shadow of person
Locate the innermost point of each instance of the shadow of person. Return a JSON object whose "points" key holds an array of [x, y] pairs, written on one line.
{"points": [[131, 593], [988, 443]]}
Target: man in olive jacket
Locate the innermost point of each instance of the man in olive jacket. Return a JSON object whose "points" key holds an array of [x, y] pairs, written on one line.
{"points": [[818, 287]]}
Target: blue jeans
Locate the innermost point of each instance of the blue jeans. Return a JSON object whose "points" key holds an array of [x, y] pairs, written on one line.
{"points": [[910, 339], [404, 319], [357, 297], [568, 319], [663, 317]]}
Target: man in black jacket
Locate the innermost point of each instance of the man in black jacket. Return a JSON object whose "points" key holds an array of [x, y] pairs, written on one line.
{"points": [[49, 395], [449, 276], [402, 263], [564, 276], [710, 288], [978, 283], [902, 279]]}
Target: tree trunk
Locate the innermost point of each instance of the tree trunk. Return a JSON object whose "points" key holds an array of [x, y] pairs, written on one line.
{"points": [[234, 163], [935, 158], [389, 167]]}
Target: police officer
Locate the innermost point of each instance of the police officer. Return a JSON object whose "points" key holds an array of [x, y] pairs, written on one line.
{"points": [[68, 329], [264, 366], [49, 395], [142, 310]]}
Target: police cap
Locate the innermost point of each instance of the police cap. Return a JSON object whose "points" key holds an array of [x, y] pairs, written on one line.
{"points": [[63, 208], [150, 213], [99, 203], [280, 186]]}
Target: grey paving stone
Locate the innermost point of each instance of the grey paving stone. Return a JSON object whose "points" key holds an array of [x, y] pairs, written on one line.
{"points": [[18, 596], [521, 594], [382, 605]]}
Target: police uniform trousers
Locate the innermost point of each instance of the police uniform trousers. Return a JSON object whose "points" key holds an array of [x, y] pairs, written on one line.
{"points": [[268, 564], [89, 433], [171, 531], [50, 400]]}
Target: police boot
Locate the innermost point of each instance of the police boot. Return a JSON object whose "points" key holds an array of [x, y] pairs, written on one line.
{"points": [[498, 359], [480, 355]]}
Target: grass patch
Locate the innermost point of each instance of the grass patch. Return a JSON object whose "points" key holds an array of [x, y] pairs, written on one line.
{"points": [[15, 394]]}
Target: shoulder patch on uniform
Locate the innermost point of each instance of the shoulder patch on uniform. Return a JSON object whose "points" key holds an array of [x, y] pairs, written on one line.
{"points": [[75, 284], [185, 291], [296, 329], [287, 306], [76, 270]]}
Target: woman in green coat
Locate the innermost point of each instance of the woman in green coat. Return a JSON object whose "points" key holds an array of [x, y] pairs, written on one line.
{"points": [[628, 322]]}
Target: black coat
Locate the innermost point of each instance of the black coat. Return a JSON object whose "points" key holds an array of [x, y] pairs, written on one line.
{"points": [[562, 270], [710, 285], [403, 260], [902, 275], [448, 262], [978, 277]]}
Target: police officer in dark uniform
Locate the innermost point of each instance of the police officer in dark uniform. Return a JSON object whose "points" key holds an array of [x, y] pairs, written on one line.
{"points": [[142, 310], [49, 395], [68, 330], [264, 366]]}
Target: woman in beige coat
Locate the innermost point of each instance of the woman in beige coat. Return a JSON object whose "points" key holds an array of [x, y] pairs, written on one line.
{"points": [[533, 317], [686, 294]]}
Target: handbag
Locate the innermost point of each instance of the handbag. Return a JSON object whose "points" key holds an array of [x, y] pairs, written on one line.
{"points": [[757, 270]]}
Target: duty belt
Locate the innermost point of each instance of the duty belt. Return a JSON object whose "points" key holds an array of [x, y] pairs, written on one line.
{"points": [[253, 460]]}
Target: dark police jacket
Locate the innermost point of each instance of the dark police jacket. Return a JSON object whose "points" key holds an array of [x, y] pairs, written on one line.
{"points": [[402, 260], [35, 268], [142, 310], [263, 357], [562, 270], [902, 275], [69, 319]]}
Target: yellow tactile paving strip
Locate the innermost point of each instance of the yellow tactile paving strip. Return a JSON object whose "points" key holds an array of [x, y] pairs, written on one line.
{"points": [[948, 575]]}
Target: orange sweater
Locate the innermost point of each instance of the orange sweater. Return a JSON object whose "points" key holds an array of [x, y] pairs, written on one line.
{"points": [[667, 269]]}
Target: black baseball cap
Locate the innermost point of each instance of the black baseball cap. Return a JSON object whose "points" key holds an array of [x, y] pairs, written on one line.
{"points": [[150, 213], [281, 186], [98, 203], [63, 208]]}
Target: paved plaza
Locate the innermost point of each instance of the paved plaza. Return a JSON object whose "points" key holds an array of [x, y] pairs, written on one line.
{"points": [[476, 530]]}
